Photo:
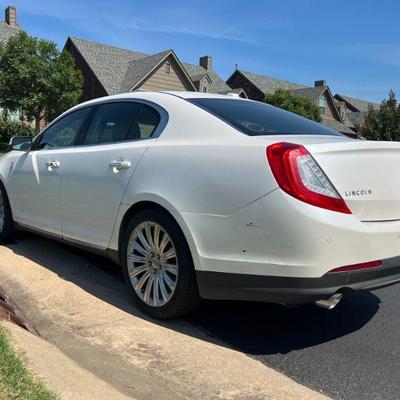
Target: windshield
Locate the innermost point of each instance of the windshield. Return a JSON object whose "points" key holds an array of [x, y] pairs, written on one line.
{"points": [[255, 118]]}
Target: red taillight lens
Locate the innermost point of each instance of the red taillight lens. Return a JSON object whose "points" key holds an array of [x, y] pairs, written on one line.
{"points": [[356, 267], [298, 174]]}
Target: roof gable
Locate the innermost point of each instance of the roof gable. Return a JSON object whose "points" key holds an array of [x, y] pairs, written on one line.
{"points": [[139, 70], [267, 84], [314, 94], [357, 104]]}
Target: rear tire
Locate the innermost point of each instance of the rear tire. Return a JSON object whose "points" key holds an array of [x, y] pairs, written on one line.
{"points": [[158, 267], [7, 228]]}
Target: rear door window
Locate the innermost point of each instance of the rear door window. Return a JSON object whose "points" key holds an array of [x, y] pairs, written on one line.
{"points": [[111, 123]]}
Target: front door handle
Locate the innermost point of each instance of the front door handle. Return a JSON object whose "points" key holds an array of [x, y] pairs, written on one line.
{"points": [[53, 164], [120, 164]]}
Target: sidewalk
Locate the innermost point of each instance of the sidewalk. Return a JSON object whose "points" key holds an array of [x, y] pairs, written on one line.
{"points": [[85, 313]]}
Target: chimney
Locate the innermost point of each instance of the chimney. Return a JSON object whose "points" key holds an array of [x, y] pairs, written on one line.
{"points": [[320, 83], [11, 16], [206, 62]]}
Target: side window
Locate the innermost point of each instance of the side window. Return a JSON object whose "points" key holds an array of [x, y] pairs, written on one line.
{"points": [[64, 132], [111, 123], [145, 123]]}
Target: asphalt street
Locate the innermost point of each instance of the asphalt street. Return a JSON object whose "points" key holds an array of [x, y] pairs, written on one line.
{"points": [[351, 352]]}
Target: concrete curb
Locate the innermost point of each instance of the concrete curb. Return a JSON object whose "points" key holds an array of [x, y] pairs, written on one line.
{"points": [[61, 374]]}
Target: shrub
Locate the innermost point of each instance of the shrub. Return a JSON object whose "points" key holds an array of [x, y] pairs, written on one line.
{"points": [[10, 128]]}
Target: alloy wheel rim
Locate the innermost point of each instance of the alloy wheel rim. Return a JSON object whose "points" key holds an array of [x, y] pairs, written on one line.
{"points": [[152, 264], [1, 212]]}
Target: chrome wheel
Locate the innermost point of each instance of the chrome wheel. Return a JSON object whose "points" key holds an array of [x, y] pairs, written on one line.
{"points": [[2, 216], [152, 264]]}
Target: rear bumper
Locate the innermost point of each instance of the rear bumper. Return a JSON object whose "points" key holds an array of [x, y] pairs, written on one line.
{"points": [[295, 290]]}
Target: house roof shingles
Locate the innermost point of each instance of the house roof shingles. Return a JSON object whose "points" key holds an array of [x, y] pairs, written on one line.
{"points": [[311, 93], [269, 85], [359, 104], [6, 31], [115, 67]]}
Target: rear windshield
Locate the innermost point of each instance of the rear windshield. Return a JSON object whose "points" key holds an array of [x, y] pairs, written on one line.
{"points": [[255, 118]]}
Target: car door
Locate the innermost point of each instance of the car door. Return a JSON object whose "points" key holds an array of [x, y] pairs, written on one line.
{"points": [[97, 172], [36, 179]]}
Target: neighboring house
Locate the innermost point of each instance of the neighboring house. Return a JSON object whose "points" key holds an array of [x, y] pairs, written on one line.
{"points": [[9, 28], [257, 86], [109, 70], [356, 109]]}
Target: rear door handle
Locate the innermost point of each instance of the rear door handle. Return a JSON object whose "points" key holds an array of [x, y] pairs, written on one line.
{"points": [[53, 164], [118, 165]]}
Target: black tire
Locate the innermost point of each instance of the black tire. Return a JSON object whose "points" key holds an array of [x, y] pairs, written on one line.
{"points": [[186, 297], [7, 233]]}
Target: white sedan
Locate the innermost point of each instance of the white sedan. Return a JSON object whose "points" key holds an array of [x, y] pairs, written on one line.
{"points": [[210, 196]]}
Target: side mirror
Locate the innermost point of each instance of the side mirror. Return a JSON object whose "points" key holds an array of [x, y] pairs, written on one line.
{"points": [[21, 143]]}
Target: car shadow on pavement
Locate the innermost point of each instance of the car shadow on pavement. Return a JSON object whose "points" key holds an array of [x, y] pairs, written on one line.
{"points": [[252, 328]]}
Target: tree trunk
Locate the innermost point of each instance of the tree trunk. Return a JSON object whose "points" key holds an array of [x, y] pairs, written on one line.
{"points": [[38, 120]]}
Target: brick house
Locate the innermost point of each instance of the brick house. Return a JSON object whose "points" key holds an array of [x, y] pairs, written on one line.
{"points": [[338, 112], [110, 70]]}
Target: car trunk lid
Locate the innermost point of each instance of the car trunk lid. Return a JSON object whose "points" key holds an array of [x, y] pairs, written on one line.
{"points": [[365, 173]]}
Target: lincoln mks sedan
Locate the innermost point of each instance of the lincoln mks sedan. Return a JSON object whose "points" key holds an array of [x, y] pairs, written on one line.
{"points": [[201, 196]]}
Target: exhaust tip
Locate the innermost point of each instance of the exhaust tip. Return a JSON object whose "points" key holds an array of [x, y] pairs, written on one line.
{"points": [[331, 303]]}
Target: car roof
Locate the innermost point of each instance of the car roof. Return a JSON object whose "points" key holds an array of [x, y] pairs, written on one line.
{"points": [[154, 97], [196, 95]]}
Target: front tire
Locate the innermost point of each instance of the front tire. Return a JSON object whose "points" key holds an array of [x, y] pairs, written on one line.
{"points": [[7, 229], [157, 265]]}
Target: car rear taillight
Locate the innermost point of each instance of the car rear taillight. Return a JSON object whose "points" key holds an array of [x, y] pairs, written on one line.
{"points": [[357, 267], [298, 174]]}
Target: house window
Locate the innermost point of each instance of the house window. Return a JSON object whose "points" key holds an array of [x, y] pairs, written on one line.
{"points": [[168, 67], [322, 105]]}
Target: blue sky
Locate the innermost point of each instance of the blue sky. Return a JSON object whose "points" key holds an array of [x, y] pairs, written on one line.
{"points": [[354, 45]]}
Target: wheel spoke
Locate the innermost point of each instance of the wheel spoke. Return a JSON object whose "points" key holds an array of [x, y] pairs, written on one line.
{"points": [[134, 272], [156, 300], [163, 289], [147, 291], [156, 236], [169, 254], [149, 236], [134, 258], [172, 268], [168, 281], [164, 242], [143, 240], [134, 243], [142, 281]]}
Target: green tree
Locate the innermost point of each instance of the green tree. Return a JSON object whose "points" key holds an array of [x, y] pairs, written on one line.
{"points": [[37, 78], [297, 104], [382, 124]]}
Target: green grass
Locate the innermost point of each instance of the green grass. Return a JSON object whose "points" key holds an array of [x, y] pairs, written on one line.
{"points": [[15, 380]]}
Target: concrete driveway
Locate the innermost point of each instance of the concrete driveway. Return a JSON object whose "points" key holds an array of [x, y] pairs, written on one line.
{"points": [[78, 303]]}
